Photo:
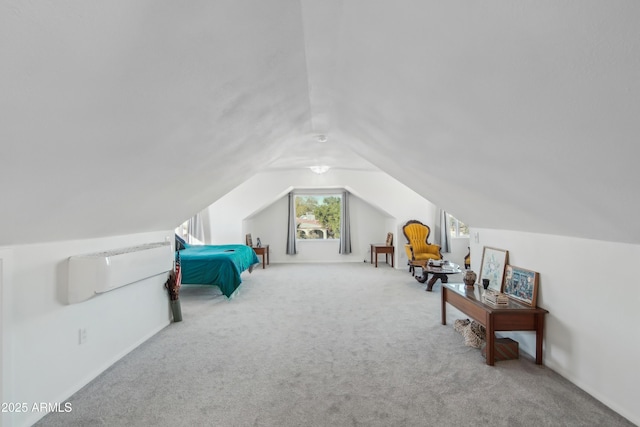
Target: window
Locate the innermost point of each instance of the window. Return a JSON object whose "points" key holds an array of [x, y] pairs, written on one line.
{"points": [[457, 228], [183, 230], [318, 216]]}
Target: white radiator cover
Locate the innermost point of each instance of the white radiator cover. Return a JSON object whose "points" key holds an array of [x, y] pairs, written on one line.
{"points": [[95, 273]]}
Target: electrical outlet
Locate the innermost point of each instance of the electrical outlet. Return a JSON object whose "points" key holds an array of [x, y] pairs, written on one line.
{"points": [[82, 336]]}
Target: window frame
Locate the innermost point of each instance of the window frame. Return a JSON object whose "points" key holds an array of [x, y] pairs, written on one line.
{"points": [[320, 193], [455, 226]]}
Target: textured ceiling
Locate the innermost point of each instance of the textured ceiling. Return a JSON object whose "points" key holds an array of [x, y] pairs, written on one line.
{"points": [[510, 115]]}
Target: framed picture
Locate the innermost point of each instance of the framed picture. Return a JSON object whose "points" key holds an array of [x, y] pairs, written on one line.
{"points": [[493, 264], [389, 240], [521, 285]]}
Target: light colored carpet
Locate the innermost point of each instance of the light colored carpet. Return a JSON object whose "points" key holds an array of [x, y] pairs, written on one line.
{"points": [[324, 345]]}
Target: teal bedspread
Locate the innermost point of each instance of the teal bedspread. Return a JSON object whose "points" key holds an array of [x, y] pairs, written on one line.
{"points": [[219, 265]]}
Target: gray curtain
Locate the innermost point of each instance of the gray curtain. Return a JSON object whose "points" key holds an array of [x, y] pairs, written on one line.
{"points": [[442, 232], [291, 228], [195, 229], [345, 225]]}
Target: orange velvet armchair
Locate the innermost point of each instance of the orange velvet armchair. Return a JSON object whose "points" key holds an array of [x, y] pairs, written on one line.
{"points": [[417, 248]]}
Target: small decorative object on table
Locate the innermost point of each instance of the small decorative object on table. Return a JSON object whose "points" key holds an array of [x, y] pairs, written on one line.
{"points": [[173, 286], [485, 283], [470, 278], [258, 242], [496, 298]]}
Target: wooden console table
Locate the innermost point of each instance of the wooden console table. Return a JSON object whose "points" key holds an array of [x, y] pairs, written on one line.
{"points": [[262, 250], [512, 317]]}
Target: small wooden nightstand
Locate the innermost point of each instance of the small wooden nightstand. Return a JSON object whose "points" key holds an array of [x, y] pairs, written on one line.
{"points": [[382, 248], [264, 251]]}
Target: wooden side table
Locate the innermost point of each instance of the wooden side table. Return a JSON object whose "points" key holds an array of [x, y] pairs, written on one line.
{"points": [[264, 251], [382, 248]]}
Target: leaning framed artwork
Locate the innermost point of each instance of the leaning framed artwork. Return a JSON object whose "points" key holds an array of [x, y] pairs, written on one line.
{"points": [[492, 267], [521, 285], [389, 240]]}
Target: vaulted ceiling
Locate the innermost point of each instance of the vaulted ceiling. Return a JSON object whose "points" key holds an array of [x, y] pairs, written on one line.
{"points": [[129, 116]]}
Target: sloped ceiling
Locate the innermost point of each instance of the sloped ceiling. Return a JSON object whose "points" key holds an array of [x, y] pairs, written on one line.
{"points": [[129, 116]]}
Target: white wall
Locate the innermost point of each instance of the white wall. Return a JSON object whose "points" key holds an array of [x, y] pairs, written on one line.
{"points": [[591, 292], [367, 226], [259, 192], [396, 202], [46, 362]]}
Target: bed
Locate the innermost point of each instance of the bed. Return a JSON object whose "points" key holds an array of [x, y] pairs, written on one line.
{"points": [[217, 265]]}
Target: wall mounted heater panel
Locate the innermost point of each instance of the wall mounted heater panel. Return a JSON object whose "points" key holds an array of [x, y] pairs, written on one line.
{"points": [[96, 273]]}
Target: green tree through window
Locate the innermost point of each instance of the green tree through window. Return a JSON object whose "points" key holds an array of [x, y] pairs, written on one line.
{"points": [[318, 217]]}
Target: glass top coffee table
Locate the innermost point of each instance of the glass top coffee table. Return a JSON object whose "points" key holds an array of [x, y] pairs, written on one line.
{"points": [[439, 270]]}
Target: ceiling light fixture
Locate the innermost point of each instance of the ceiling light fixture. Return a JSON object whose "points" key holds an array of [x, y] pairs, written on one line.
{"points": [[319, 169], [322, 138]]}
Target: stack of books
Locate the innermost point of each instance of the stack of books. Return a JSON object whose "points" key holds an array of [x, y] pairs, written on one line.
{"points": [[496, 298]]}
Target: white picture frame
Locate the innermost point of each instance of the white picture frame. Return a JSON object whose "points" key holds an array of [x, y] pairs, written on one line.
{"points": [[494, 262]]}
